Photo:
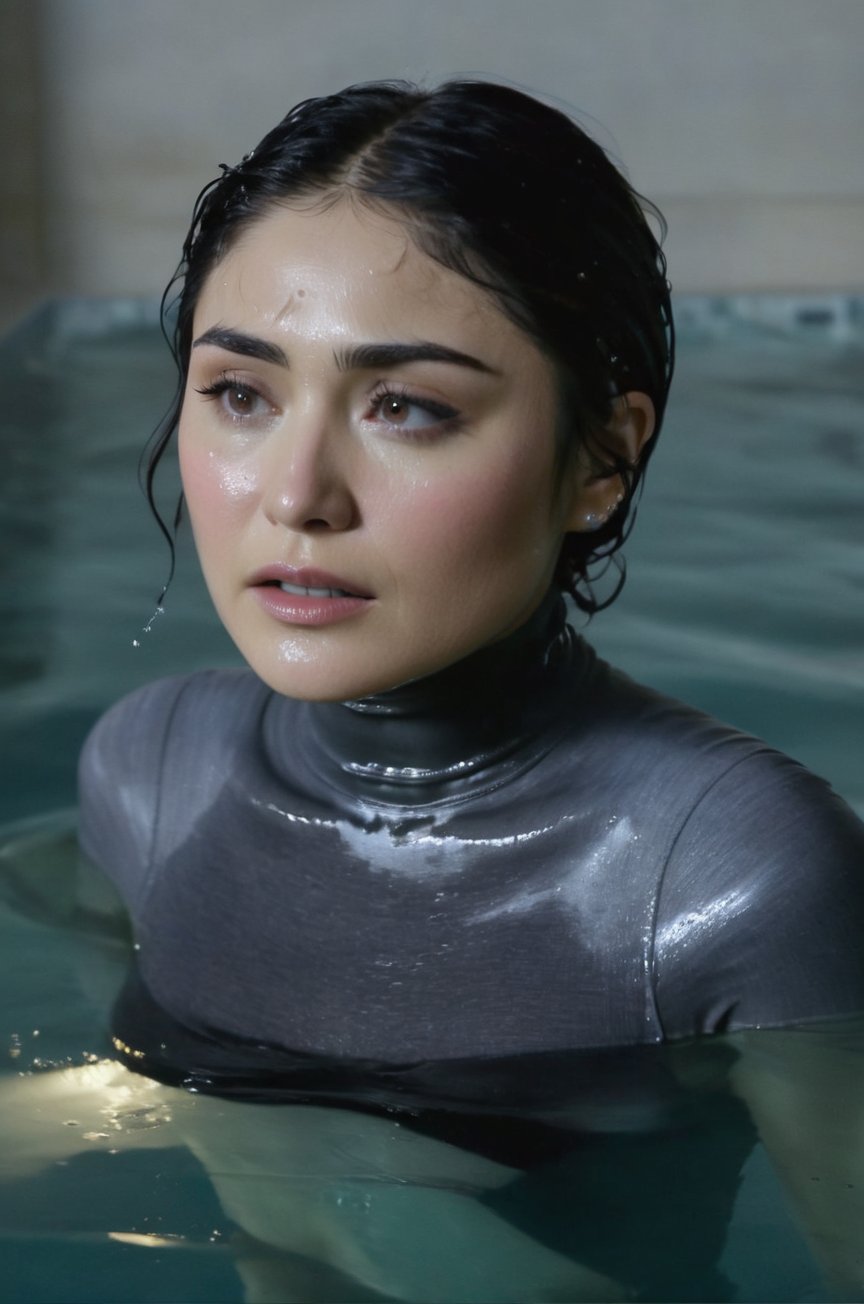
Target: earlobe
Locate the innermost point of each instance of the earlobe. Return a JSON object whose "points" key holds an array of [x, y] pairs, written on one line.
{"points": [[598, 492]]}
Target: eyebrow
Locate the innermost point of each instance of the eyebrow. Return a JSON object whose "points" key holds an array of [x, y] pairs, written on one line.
{"points": [[358, 357], [250, 346], [367, 357]]}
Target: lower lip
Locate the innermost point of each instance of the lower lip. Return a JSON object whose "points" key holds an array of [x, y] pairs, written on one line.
{"points": [[305, 609]]}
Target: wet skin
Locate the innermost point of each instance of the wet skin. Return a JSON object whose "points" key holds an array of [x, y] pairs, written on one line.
{"points": [[418, 478]]}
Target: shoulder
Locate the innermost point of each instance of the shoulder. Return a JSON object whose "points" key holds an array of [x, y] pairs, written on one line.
{"points": [[138, 747], [663, 755], [149, 710], [130, 738], [761, 909], [758, 865]]}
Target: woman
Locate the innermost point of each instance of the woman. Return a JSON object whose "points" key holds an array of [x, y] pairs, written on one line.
{"points": [[425, 345]]}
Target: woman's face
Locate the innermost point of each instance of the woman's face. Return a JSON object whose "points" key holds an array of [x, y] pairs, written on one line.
{"points": [[367, 448]]}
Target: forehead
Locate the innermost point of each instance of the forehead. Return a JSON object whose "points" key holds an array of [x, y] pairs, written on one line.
{"points": [[345, 269]]}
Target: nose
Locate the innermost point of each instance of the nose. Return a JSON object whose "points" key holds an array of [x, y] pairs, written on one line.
{"points": [[307, 481]]}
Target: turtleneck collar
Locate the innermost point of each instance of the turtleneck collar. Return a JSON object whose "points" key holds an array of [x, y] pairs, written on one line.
{"points": [[467, 727]]}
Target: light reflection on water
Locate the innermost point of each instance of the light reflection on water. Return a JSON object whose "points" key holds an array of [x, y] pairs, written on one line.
{"points": [[745, 597], [619, 1176], [611, 1176]]}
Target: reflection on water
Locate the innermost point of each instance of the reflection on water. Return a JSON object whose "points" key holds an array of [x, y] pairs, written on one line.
{"points": [[630, 1174]]}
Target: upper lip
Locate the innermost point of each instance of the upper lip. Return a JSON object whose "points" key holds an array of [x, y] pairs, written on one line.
{"points": [[307, 578]]}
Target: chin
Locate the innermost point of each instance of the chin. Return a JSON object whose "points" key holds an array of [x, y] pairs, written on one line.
{"points": [[333, 668], [311, 679], [316, 684]]}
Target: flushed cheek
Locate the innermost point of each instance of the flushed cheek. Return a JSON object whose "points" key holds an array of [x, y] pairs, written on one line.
{"points": [[218, 489], [480, 527]]}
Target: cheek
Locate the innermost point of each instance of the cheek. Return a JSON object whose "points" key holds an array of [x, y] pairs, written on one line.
{"points": [[483, 522], [218, 490]]}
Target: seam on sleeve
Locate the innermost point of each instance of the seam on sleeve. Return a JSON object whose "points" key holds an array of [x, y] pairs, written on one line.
{"points": [[661, 880]]}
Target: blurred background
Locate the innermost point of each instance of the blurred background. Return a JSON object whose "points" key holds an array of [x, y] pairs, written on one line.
{"points": [[742, 119]]}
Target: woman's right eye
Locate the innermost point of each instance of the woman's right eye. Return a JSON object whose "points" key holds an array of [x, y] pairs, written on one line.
{"points": [[239, 401]]}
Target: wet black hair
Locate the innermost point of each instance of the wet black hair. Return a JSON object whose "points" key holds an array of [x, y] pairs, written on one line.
{"points": [[510, 193]]}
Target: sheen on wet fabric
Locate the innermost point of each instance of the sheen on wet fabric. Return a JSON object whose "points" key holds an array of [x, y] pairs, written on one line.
{"points": [[527, 852]]}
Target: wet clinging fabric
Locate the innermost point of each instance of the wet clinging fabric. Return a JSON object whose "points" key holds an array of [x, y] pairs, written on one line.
{"points": [[526, 852]]}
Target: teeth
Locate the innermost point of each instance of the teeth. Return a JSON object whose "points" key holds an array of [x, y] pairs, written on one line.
{"points": [[300, 592]]}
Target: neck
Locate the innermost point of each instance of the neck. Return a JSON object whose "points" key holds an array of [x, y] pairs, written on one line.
{"points": [[458, 730]]}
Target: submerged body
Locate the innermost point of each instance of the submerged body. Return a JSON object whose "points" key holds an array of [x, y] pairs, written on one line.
{"points": [[526, 852]]}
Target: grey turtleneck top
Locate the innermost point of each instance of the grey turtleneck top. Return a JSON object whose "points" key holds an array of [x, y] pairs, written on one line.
{"points": [[526, 852]]}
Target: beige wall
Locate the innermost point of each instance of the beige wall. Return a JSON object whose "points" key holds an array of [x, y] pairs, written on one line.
{"points": [[744, 119]]}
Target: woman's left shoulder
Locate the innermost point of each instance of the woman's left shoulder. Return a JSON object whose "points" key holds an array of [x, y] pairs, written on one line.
{"points": [[761, 906], [759, 864]]}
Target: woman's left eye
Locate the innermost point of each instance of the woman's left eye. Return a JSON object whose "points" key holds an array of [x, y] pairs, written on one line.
{"points": [[410, 413]]}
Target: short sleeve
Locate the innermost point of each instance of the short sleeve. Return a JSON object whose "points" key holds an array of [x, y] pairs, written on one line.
{"points": [[761, 908], [119, 784]]}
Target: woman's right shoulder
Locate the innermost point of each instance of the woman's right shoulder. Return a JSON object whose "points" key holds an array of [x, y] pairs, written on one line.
{"points": [[142, 743], [134, 732]]}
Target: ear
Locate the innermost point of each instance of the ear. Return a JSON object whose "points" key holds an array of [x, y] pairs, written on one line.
{"points": [[595, 492]]}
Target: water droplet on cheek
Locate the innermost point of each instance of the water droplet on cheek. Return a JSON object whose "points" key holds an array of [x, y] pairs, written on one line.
{"points": [[221, 479], [239, 483]]}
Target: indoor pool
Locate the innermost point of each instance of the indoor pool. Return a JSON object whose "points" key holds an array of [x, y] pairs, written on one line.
{"points": [[631, 1176]]}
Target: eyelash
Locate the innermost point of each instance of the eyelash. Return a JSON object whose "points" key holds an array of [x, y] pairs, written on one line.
{"points": [[447, 418], [223, 384]]}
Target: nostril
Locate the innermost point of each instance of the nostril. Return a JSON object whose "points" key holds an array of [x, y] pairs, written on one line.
{"points": [[310, 506]]}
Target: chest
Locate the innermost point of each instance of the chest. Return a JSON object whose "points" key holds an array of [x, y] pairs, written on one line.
{"points": [[417, 933]]}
